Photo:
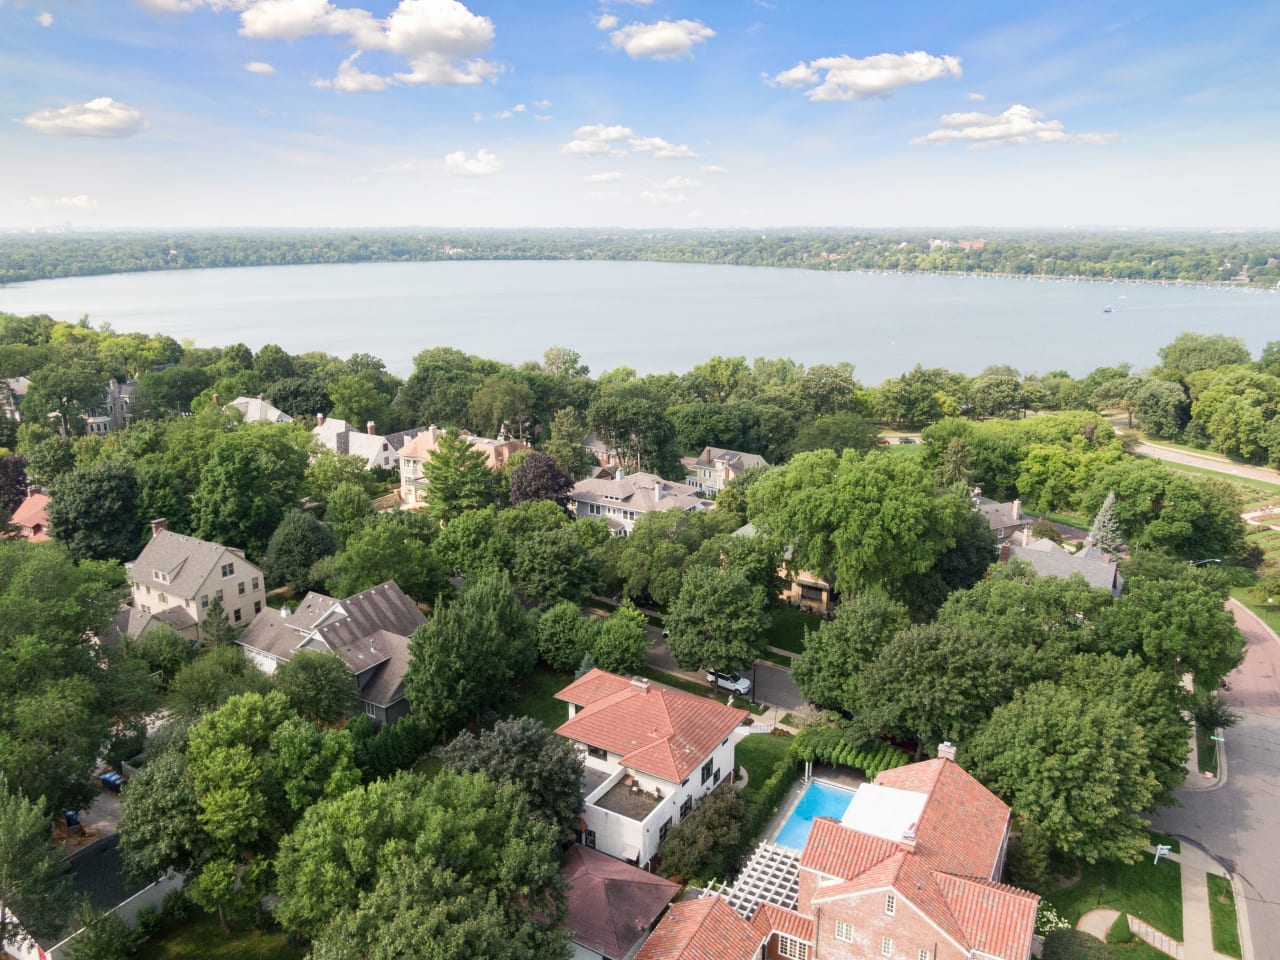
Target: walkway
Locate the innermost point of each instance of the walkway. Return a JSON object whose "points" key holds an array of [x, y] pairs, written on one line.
{"points": [[1206, 461]]}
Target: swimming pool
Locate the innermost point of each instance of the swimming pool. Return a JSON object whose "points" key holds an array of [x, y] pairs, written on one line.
{"points": [[818, 800]]}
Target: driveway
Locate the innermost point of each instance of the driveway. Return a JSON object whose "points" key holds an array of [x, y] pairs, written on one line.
{"points": [[1236, 820], [774, 685]]}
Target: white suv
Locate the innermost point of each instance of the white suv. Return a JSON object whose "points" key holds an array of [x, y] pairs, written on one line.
{"points": [[735, 684]]}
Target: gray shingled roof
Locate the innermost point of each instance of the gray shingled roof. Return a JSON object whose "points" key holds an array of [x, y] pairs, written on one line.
{"points": [[1090, 563], [255, 409], [186, 561], [635, 491], [738, 461]]}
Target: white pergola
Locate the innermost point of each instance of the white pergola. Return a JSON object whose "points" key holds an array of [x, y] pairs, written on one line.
{"points": [[772, 875]]}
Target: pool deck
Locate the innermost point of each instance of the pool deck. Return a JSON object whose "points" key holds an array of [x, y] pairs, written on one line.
{"points": [[840, 777]]}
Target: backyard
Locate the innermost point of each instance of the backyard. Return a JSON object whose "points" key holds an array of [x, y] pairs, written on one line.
{"points": [[201, 937]]}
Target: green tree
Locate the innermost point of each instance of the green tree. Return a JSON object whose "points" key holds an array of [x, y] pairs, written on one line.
{"points": [[564, 362], [565, 636], [50, 459], [1162, 408], [216, 630], [158, 828], [391, 547], [1105, 532], [358, 401], [70, 390], [328, 471], [539, 477], [1078, 767], [621, 642], [94, 512], [521, 751], [348, 509], [568, 431], [293, 549], [502, 398], [163, 649], [318, 686], [13, 481], [837, 655], [953, 465], [1190, 352], [704, 844], [717, 621], [211, 679], [34, 886], [458, 478], [105, 936], [553, 566]]}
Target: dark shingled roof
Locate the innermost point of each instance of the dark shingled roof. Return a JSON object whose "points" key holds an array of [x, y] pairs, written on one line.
{"points": [[186, 561], [612, 904]]}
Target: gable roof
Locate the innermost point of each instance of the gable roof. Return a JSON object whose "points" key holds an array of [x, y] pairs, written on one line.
{"points": [[769, 918], [641, 492], [1098, 570], [32, 516], [496, 452], [612, 904], [736, 461], [657, 730], [705, 929], [185, 561], [995, 919], [843, 852], [1001, 516], [340, 437], [255, 409]]}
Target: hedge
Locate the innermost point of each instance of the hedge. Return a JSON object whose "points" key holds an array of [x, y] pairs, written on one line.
{"points": [[836, 746]]}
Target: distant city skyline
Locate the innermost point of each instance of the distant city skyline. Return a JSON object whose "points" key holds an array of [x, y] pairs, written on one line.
{"points": [[638, 114]]}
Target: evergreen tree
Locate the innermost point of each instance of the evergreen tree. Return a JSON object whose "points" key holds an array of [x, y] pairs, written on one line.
{"points": [[297, 544], [458, 479], [954, 464], [216, 630], [33, 881], [1105, 532]]}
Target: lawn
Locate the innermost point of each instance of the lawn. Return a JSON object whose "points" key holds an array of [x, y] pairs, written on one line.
{"points": [[1222, 914], [1174, 844], [537, 698], [1267, 613], [760, 754], [1206, 751], [787, 627], [1151, 893], [202, 937]]}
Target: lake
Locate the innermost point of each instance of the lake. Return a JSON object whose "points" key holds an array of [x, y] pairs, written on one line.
{"points": [[658, 317]]}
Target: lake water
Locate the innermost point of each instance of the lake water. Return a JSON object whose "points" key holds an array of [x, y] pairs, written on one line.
{"points": [[658, 317]]}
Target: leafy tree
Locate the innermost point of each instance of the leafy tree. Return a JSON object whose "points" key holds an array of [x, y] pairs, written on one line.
{"points": [[1161, 408], [348, 509], [216, 630], [392, 547], [49, 459], [1210, 710], [318, 686], [523, 752], [458, 478], [465, 658], [328, 471], [13, 481], [996, 396], [959, 567], [621, 642], [1105, 532], [717, 621], [704, 844], [564, 362], [34, 886], [501, 399], [837, 654], [163, 649], [105, 936], [357, 400], [568, 431], [94, 512], [273, 363], [630, 419], [70, 390], [293, 549], [837, 432], [1076, 766], [554, 566], [1190, 352], [539, 477], [565, 636], [211, 679]]}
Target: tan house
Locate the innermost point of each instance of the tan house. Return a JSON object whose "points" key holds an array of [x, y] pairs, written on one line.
{"points": [[711, 470], [413, 486], [176, 578], [376, 449], [625, 497], [912, 871], [802, 588]]}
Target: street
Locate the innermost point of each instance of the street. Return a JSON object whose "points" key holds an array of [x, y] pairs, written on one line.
{"points": [[774, 685]]}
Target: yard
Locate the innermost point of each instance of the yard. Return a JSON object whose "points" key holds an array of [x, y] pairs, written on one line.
{"points": [[787, 626], [760, 754], [201, 938], [1151, 893], [1222, 915], [537, 697]]}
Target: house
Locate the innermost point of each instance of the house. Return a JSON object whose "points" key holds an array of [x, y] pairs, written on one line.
{"points": [[413, 486], [32, 516], [376, 449], [912, 871], [623, 499], [711, 470], [1004, 519], [12, 393], [258, 410], [117, 411], [649, 753], [1051, 560], [176, 577], [802, 588], [369, 631], [612, 905]]}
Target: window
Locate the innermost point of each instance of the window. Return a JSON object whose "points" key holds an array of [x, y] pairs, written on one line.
{"points": [[254, 584], [237, 616], [228, 570], [257, 606], [707, 769], [923, 955], [163, 598], [664, 830], [844, 931], [886, 946], [811, 593], [792, 948], [218, 594], [370, 709], [204, 601], [717, 776], [590, 839], [241, 588], [890, 905], [686, 807], [598, 752], [160, 576]]}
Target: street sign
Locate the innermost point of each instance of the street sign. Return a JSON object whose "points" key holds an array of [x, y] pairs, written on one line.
{"points": [[1217, 739], [1162, 850]]}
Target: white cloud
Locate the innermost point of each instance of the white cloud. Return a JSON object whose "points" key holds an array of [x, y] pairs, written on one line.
{"points": [[1016, 125], [482, 164], [170, 6], [599, 140], [610, 177], [664, 40], [543, 116], [849, 78], [661, 196], [79, 201], [542, 104], [677, 183], [503, 115], [714, 168], [45, 19], [602, 133], [258, 66], [519, 108], [974, 95], [607, 21], [662, 149], [102, 117], [351, 79]]}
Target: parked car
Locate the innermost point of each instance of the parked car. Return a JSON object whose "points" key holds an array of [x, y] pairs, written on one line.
{"points": [[738, 686], [908, 440], [882, 441]]}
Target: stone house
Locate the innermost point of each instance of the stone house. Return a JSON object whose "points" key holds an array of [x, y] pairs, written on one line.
{"points": [[376, 449]]}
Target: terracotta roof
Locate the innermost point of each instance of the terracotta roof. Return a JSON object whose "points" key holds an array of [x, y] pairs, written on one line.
{"points": [[997, 920], [657, 730], [770, 918], [706, 929], [842, 852], [32, 516], [612, 904]]}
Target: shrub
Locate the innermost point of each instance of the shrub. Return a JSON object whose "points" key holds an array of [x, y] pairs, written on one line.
{"points": [[147, 922], [1048, 919], [1073, 945], [1120, 932], [1028, 855], [105, 937], [706, 843], [397, 746]]}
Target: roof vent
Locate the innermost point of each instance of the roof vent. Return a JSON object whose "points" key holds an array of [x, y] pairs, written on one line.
{"points": [[640, 683], [284, 612]]}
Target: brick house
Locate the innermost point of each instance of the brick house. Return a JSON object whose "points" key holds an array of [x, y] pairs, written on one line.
{"points": [[413, 486]]}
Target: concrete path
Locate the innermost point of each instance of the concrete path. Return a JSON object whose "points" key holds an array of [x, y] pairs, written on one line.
{"points": [[1096, 923], [1206, 461]]}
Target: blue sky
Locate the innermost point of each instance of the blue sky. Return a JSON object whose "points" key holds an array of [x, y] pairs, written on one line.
{"points": [[669, 113]]}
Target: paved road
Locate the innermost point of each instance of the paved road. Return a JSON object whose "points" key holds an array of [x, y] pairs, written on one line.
{"points": [[774, 685], [1206, 461], [1237, 820]]}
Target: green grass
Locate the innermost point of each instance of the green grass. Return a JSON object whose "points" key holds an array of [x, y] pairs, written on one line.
{"points": [[1206, 751], [1268, 613], [1257, 487], [787, 627], [760, 753], [1158, 838], [537, 697], [202, 938], [1151, 893], [1222, 915], [780, 659], [1066, 519], [1138, 950]]}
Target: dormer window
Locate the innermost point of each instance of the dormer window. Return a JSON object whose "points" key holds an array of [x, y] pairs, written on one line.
{"points": [[160, 576]]}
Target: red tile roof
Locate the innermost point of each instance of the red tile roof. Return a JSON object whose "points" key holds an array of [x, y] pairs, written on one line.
{"points": [[841, 852], [706, 929], [611, 903], [657, 730], [997, 920], [33, 517], [770, 919]]}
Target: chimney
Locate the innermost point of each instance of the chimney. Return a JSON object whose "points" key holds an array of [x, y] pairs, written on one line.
{"points": [[158, 524], [640, 683], [32, 489], [657, 491], [909, 837], [371, 428], [1017, 510], [262, 396], [947, 751], [1026, 536], [1005, 551], [319, 419]]}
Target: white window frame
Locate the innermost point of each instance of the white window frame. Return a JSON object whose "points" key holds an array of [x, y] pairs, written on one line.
{"points": [[890, 905], [886, 946], [923, 954], [844, 931], [791, 948]]}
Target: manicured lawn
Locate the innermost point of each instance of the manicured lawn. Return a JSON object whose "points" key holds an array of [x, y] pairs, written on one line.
{"points": [[787, 626], [1136, 951], [1151, 893], [760, 753], [537, 698], [1158, 838], [1268, 613], [1222, 914], [1206, 751], [201, 938]]}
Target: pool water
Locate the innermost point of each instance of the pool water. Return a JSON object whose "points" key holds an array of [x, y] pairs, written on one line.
{"points": [[818, 800]]}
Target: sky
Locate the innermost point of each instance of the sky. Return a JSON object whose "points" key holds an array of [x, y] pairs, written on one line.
{"points": [[642, 114]]}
